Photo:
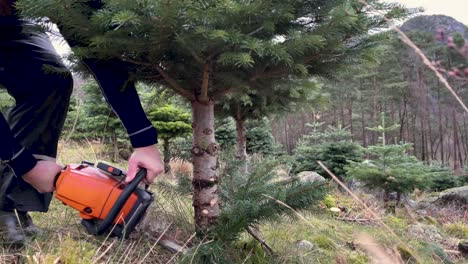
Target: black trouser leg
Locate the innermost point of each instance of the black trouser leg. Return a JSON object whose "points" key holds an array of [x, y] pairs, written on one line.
{"points": [[41, 85]]}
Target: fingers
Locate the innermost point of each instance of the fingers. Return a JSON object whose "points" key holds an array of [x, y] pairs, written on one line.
{"points": [[132, 171], [150, 176]]}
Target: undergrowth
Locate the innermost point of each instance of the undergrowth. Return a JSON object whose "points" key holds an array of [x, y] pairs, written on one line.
{"points": [[259, 201]]}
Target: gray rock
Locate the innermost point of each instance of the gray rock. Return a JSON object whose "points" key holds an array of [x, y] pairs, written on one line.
{"points": [[427, 202], [354, 184], [457, 195], [305, 245], [310, 176], [425, 232]]}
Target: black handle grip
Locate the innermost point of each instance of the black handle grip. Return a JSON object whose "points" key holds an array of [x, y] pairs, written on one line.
{"points": [[120, 202]]}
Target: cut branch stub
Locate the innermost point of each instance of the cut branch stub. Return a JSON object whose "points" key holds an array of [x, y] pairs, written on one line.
{"points": [[204, 183], [212, 149], [197, 151], [208, 131]]}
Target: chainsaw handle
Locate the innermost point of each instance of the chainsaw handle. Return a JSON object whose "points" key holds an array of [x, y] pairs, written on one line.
{"points": [[120, 202]]}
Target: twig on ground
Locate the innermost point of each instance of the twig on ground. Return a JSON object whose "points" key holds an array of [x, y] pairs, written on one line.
{"points": [[155, 243], [348, 219], [182, 248], [105, 252], [255, 234]]}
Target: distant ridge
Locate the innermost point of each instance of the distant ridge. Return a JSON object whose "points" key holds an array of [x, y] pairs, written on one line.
{"points": [[433, 22]]}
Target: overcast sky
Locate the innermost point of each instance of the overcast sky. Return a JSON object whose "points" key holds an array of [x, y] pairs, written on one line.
{"points": [[457, 9]]}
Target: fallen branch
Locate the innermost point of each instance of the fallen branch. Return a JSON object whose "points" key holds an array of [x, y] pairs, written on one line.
{"points": [[254, 233], [348, 219]]}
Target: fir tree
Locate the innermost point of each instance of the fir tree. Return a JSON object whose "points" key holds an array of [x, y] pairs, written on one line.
{"points": [[333, 146], [267, 101], [98, 120], [205, 50], [390, 168], [171, 122]]}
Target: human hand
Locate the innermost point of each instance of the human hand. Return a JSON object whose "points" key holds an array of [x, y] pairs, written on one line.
{"points": [[42, 176], [148, 158]]}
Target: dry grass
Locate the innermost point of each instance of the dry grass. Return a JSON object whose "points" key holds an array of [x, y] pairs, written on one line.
{"points": [[181, 167]]}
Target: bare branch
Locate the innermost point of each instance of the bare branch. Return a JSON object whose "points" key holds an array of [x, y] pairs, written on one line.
{"points": [[173, 83]]}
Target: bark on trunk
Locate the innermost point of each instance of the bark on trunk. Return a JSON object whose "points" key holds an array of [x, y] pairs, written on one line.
{"points": [[167, 156], [241, 138], [423, 141], [350, 112], [441, 135], [363, 126], [205, 167], [455, 141], [116, 146], [241, 141]]}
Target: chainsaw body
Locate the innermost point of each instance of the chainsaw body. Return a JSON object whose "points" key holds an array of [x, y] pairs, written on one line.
{"points": [[105, 202]]}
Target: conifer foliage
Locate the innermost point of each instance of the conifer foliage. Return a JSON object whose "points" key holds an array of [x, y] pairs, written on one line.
{"points": [[171, 122], [390, 167], [333, 146], [204, 50]]}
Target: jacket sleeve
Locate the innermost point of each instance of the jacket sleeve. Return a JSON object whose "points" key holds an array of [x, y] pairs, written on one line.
{"points": [[18, 158], [113, 79]]}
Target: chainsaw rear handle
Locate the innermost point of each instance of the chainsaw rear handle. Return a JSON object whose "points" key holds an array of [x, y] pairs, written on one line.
{"points": [[120, 202]]}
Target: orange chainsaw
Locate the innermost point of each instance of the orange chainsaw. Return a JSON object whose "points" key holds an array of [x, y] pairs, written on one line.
{"points": [[107, 204]]}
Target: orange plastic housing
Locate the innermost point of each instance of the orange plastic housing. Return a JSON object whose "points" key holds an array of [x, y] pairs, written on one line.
{"points": [[92, 195]]}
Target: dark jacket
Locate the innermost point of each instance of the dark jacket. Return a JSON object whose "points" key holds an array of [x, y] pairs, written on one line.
{"points": [[112, 77]]}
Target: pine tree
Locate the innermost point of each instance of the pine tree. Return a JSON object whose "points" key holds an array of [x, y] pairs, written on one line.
{"points": [[205, 50]]}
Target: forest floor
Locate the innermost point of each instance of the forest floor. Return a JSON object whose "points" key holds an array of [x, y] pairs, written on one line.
{"points": [[349, 235]]}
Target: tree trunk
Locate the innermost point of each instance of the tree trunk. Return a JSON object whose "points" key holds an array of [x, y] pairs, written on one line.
{"points": [[342, 114], [414, 136], [423, 140], [441, 135], [350, 112], [465, 138], [205, 167], [363, 126], [455, 141], [392, 117], [241, 139], [116, 146], [167, 156]]}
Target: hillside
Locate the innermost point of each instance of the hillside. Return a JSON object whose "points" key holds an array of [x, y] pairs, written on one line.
{"points": [[434, 22]]}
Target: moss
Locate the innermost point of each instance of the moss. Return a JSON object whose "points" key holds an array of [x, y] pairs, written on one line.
{"points": [[458, 230], [323, 242], [357, 258], [397, 222], [329, 201], [407, 254], [431, 220]]}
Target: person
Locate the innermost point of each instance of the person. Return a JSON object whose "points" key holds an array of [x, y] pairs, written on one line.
{"points": [[33, 73]]}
